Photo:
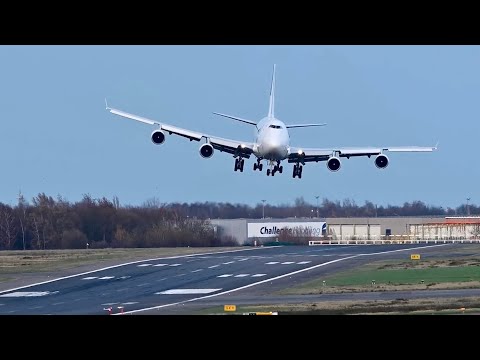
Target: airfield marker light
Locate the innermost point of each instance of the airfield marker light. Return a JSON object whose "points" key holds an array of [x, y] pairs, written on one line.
{"points": [[323, 283], [121, 309], [373, 282]]}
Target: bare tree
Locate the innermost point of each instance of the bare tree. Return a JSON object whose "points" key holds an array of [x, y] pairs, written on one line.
{"points": [[8, 231], [22, 216]]}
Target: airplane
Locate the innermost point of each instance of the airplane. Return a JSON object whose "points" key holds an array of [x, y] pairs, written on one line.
{"points": [[271, 143]]}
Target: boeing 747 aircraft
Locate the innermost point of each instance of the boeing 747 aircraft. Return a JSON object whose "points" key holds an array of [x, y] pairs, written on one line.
{"points": [[271, 143]]}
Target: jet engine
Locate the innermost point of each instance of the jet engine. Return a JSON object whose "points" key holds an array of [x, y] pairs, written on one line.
{"points": [[381, 161], [158, 137], [333, 164], [206, 150]]}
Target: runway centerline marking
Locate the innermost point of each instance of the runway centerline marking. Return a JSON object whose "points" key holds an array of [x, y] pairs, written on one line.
{"points": [[26, 294], [186, 291]]}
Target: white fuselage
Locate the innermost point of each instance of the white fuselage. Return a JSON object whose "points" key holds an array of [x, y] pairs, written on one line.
{"points": [[272, 140]]}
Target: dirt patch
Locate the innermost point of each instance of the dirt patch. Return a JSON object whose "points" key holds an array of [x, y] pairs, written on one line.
{"points": [[398, 306]]}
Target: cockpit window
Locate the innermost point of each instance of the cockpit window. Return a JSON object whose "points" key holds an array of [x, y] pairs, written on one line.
{"points": [[275, 126]]}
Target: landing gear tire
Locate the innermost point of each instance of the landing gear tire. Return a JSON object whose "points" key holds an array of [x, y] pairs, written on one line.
{"points": [[257, 166], [297, 171], [268, 172], [239, 164]]}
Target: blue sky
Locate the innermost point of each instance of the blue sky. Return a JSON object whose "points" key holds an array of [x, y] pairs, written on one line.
{"points": [[57, 137]]}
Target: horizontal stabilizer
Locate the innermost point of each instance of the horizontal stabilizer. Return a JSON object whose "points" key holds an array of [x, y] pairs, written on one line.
{"points": [[303, 125], [237, 118]]}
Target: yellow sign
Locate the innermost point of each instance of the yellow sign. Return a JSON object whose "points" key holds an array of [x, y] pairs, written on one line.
{"points": [[415, 257], [229, 308]]}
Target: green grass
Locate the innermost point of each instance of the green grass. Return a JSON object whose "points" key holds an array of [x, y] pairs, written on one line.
{"points": [[394, 273], [405, 276]]}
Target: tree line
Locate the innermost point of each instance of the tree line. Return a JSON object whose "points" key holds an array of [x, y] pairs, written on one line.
{"points": [[55, 223]]}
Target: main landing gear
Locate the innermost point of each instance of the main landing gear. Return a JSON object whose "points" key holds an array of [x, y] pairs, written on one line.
{"points": [[275, 169], [297, 170], [258, 165], [239, 164]]}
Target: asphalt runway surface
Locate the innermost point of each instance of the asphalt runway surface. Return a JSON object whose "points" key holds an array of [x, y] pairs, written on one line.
{"points": [[183, 284]]}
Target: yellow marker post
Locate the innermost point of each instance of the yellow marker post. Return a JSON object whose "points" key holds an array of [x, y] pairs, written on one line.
{"points": [[415, 257], [230, 308]]}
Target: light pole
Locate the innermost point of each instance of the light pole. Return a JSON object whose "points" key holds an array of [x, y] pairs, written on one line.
{"points": [[468, 208], [263, 209], [316, 197]]}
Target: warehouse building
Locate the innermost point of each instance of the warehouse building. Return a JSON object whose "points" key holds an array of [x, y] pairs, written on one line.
{"points": [[335, 230]]}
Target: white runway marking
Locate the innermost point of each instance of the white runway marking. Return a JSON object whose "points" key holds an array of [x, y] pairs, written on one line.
{"points": [[186, 291], [90, 278], [241, 275], [197, 270], [26, 294], [106, 277], [243, 259], [141, 265], [123, 264], [143, 284], [175, 264], [109, 304], [229, 262], [124, 277], [213, 266], [288, 262], [59, 303], [257, 275], [303, 262], [130, 303], [160, 265], [225, 275], [272, 263]]}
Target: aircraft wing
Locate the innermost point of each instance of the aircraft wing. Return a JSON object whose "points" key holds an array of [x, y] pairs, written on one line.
{"points": [[308, 155], [233, 147]]}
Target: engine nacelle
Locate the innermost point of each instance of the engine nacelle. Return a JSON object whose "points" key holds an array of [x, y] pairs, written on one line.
{"points": [[381, 161], [333, 164], [158, 137], [206, 150]]}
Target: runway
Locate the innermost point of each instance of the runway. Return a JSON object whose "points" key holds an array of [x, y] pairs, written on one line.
{"points": [[172, 284]]}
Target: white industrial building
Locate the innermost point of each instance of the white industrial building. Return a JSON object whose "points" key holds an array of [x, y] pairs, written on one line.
{"points": [[350, 230]]}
